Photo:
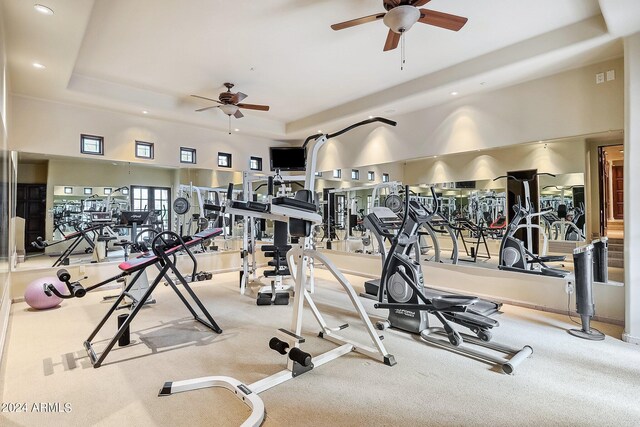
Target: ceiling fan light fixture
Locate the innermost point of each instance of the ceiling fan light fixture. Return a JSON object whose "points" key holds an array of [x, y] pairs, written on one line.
{"points": [[229, 109], [401, 18]]}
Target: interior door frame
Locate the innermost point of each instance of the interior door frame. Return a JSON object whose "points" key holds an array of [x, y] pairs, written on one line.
{"points": [[602, 189]]}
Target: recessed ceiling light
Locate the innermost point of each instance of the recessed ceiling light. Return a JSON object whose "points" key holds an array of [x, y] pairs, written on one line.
{"points": [[43, 9], [319, 131], [435, 157], [236, 130], [145, 112], [38, 65], [454, 93], [371, 117], [540, 142], [622, 151]]}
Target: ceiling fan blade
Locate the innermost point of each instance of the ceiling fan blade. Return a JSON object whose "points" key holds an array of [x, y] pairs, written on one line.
{"points": [[207, 108], [393, 39], [441, 19], [254, 107], [418, 3], [358, 21], [238, 114], [208, 99], [238, 97]]}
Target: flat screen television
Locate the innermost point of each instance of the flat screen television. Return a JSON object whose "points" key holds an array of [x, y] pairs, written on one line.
{"points": [[288, 158]]}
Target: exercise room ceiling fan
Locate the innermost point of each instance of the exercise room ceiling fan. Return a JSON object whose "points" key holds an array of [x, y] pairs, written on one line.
{"points": [[230, 103], [401, 15]]}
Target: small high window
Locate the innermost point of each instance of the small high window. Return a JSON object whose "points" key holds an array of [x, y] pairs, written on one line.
{"points": [[187, 155], [88, 191], [255, 163], [371, 176], [318, 173], [355, 174], [144, 150], [224, 160], [337, 173], [92, 144], [385, 177]]}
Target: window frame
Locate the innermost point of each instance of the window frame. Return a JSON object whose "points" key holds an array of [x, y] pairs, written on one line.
{"points": [[337, 173], [229, 160], [192, 151], [371, 175], [258, 160], [355, 174], [386, 177], [145, 144], [99, 139]]}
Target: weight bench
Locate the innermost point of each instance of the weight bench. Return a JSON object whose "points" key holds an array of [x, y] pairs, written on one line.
{"points": [[164, 256], [77, 238]]}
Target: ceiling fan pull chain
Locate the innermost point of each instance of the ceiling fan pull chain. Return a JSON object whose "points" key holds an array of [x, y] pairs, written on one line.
{"points": [[229, 125]]}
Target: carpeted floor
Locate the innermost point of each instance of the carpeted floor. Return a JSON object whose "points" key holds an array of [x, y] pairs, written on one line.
{"points": [[568, 381]]}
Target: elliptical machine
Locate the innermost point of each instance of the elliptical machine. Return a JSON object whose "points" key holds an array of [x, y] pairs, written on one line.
{"points": [[402, 283], [514, 256]]}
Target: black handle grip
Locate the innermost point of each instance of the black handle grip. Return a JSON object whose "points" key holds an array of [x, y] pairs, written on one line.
{"points": [[278, 345], [63, 275], [77, 290], [300, 356]]}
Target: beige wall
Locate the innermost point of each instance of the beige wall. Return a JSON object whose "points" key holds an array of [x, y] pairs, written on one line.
{"points": [[32, 173], [53, 128], [562, 105], [558, 158], [395, 170]]}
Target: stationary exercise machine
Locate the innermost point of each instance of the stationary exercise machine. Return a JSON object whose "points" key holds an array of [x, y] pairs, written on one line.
{"points": [[300, 214], [402, 284], [514, 256], [165, 248], [83, 234], [277, 292]]}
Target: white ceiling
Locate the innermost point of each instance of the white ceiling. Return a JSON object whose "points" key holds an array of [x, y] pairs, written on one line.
{"points": [[151, 55]]}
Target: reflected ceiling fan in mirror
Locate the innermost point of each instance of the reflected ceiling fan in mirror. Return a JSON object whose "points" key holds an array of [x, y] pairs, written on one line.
{"points": [[401, 15], [230, 104]]}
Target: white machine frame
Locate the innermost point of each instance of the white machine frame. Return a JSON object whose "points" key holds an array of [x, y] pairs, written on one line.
{"points": [[298, 258]]}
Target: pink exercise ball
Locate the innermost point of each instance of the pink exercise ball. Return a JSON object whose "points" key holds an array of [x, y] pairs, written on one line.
{"points": [[36, 298]]}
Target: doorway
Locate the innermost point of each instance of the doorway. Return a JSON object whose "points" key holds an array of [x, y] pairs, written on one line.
{"points": [[611, 190], [156, 199], [31, 204]]}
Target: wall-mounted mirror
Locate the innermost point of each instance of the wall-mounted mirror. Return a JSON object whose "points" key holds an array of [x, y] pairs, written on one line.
{"points": [[562, 199]]}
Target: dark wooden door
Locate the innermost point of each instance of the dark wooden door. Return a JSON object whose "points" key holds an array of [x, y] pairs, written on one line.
{"points": [[617, 181], [603, 189], [31, 204]]}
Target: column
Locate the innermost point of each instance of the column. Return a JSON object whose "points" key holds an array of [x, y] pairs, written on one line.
{"points": [[632, 188]]}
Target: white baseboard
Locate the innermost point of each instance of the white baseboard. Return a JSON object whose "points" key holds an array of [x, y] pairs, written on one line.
{"points": [[630, 339]]}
